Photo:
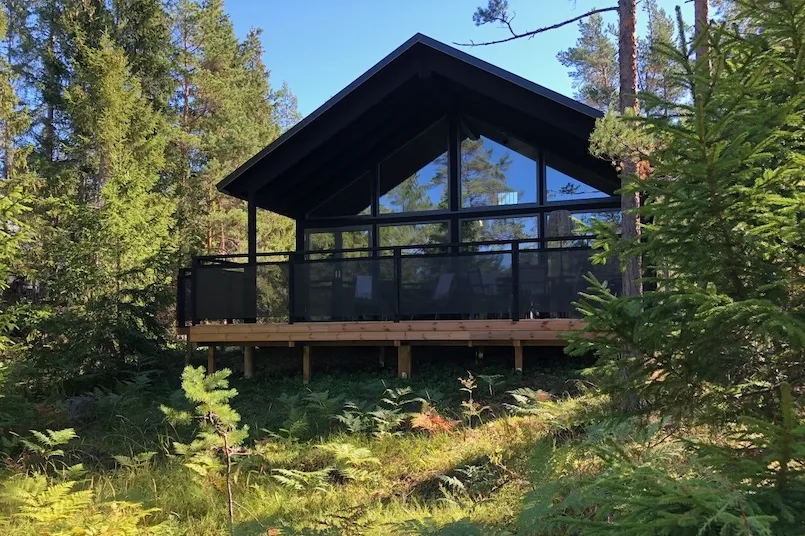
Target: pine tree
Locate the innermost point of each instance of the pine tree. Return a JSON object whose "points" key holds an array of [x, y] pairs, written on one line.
{"points": [[285, 108], [632, 281], [701, 10], [225, 111], [593, 63], [220, 434], [655, 70]]}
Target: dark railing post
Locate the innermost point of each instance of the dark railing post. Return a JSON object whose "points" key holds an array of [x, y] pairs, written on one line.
{"points": [[250, 272], [194, 291], [515, 281], [397, 282], [291, 288]]}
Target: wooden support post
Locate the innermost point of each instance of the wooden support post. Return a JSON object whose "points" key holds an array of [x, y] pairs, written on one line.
{"points": [[211, 359], [404, 362], [518, 356], [381, 356], [189, 349], [248, 361], [306, 364]]}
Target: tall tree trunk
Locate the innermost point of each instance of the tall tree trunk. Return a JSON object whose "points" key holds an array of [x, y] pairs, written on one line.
{"points": [[8, 151], [49, 91], [50, 134], [8, 137], [230, 502], [627, 54], [184, 207], [222, 246], [702, 16]]}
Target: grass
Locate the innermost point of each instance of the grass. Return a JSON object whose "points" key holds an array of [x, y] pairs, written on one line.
{"points": [[469, 477]]}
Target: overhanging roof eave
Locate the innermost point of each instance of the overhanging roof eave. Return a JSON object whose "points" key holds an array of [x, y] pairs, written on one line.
{"points": [[222, 185]]}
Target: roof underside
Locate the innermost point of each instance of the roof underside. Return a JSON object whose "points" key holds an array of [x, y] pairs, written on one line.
{"points": [[398, 99]]}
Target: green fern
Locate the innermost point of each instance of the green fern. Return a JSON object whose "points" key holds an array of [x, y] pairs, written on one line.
{"points": [[64, 507], [303, 480], [387, 421], [45, 444], [138, 461], [44, 448]]}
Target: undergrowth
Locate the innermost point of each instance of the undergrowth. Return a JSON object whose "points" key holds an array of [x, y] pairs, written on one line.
{"points": [[358, 454], [453, 454]]}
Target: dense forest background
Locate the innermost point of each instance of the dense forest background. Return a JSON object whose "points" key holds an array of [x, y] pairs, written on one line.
{"points": [[118, 119]]}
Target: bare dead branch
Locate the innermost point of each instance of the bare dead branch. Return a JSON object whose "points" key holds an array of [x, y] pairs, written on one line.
{"points": [[532, 33]]}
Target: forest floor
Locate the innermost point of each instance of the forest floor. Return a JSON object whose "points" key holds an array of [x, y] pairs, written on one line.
{"points": [[354, 452]]}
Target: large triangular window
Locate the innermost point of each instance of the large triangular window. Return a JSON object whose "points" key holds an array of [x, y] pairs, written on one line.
{"points": [[415, 177], [565, 181], [496, 169]]}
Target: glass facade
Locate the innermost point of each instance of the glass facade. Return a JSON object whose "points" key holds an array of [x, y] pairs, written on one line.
{"points": [[415, 234], [501, 229], [493, 174], [414, 178], [563, 182], [500, 184]]}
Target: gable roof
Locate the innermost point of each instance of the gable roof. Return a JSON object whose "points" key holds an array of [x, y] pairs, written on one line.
{"points": [[399, 97]]}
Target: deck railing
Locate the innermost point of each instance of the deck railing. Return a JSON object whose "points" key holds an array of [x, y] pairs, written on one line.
{"points": [[515, 279]]}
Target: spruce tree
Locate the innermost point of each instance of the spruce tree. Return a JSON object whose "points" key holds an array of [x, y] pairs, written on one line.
{"points": [[16, 186], [725, 323], [106, 220], [141, 28], [133, 110], [121, 141]]}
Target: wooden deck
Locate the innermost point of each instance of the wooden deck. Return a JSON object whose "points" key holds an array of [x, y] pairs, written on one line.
{"points": [[545, 332], [403, 335]]}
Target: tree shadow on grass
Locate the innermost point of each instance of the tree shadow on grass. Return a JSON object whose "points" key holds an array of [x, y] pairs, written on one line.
{"points": [[338, 526], [462, 527], [474, 479]]}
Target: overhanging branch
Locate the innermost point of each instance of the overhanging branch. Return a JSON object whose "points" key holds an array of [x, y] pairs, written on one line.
{"points": [[532, 33]]}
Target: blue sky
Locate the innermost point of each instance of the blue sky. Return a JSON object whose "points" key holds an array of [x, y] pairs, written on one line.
{"points": [[320, 46]]}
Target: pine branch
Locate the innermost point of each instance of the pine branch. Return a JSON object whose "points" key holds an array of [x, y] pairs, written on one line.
{"points": [[506, 21]]}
